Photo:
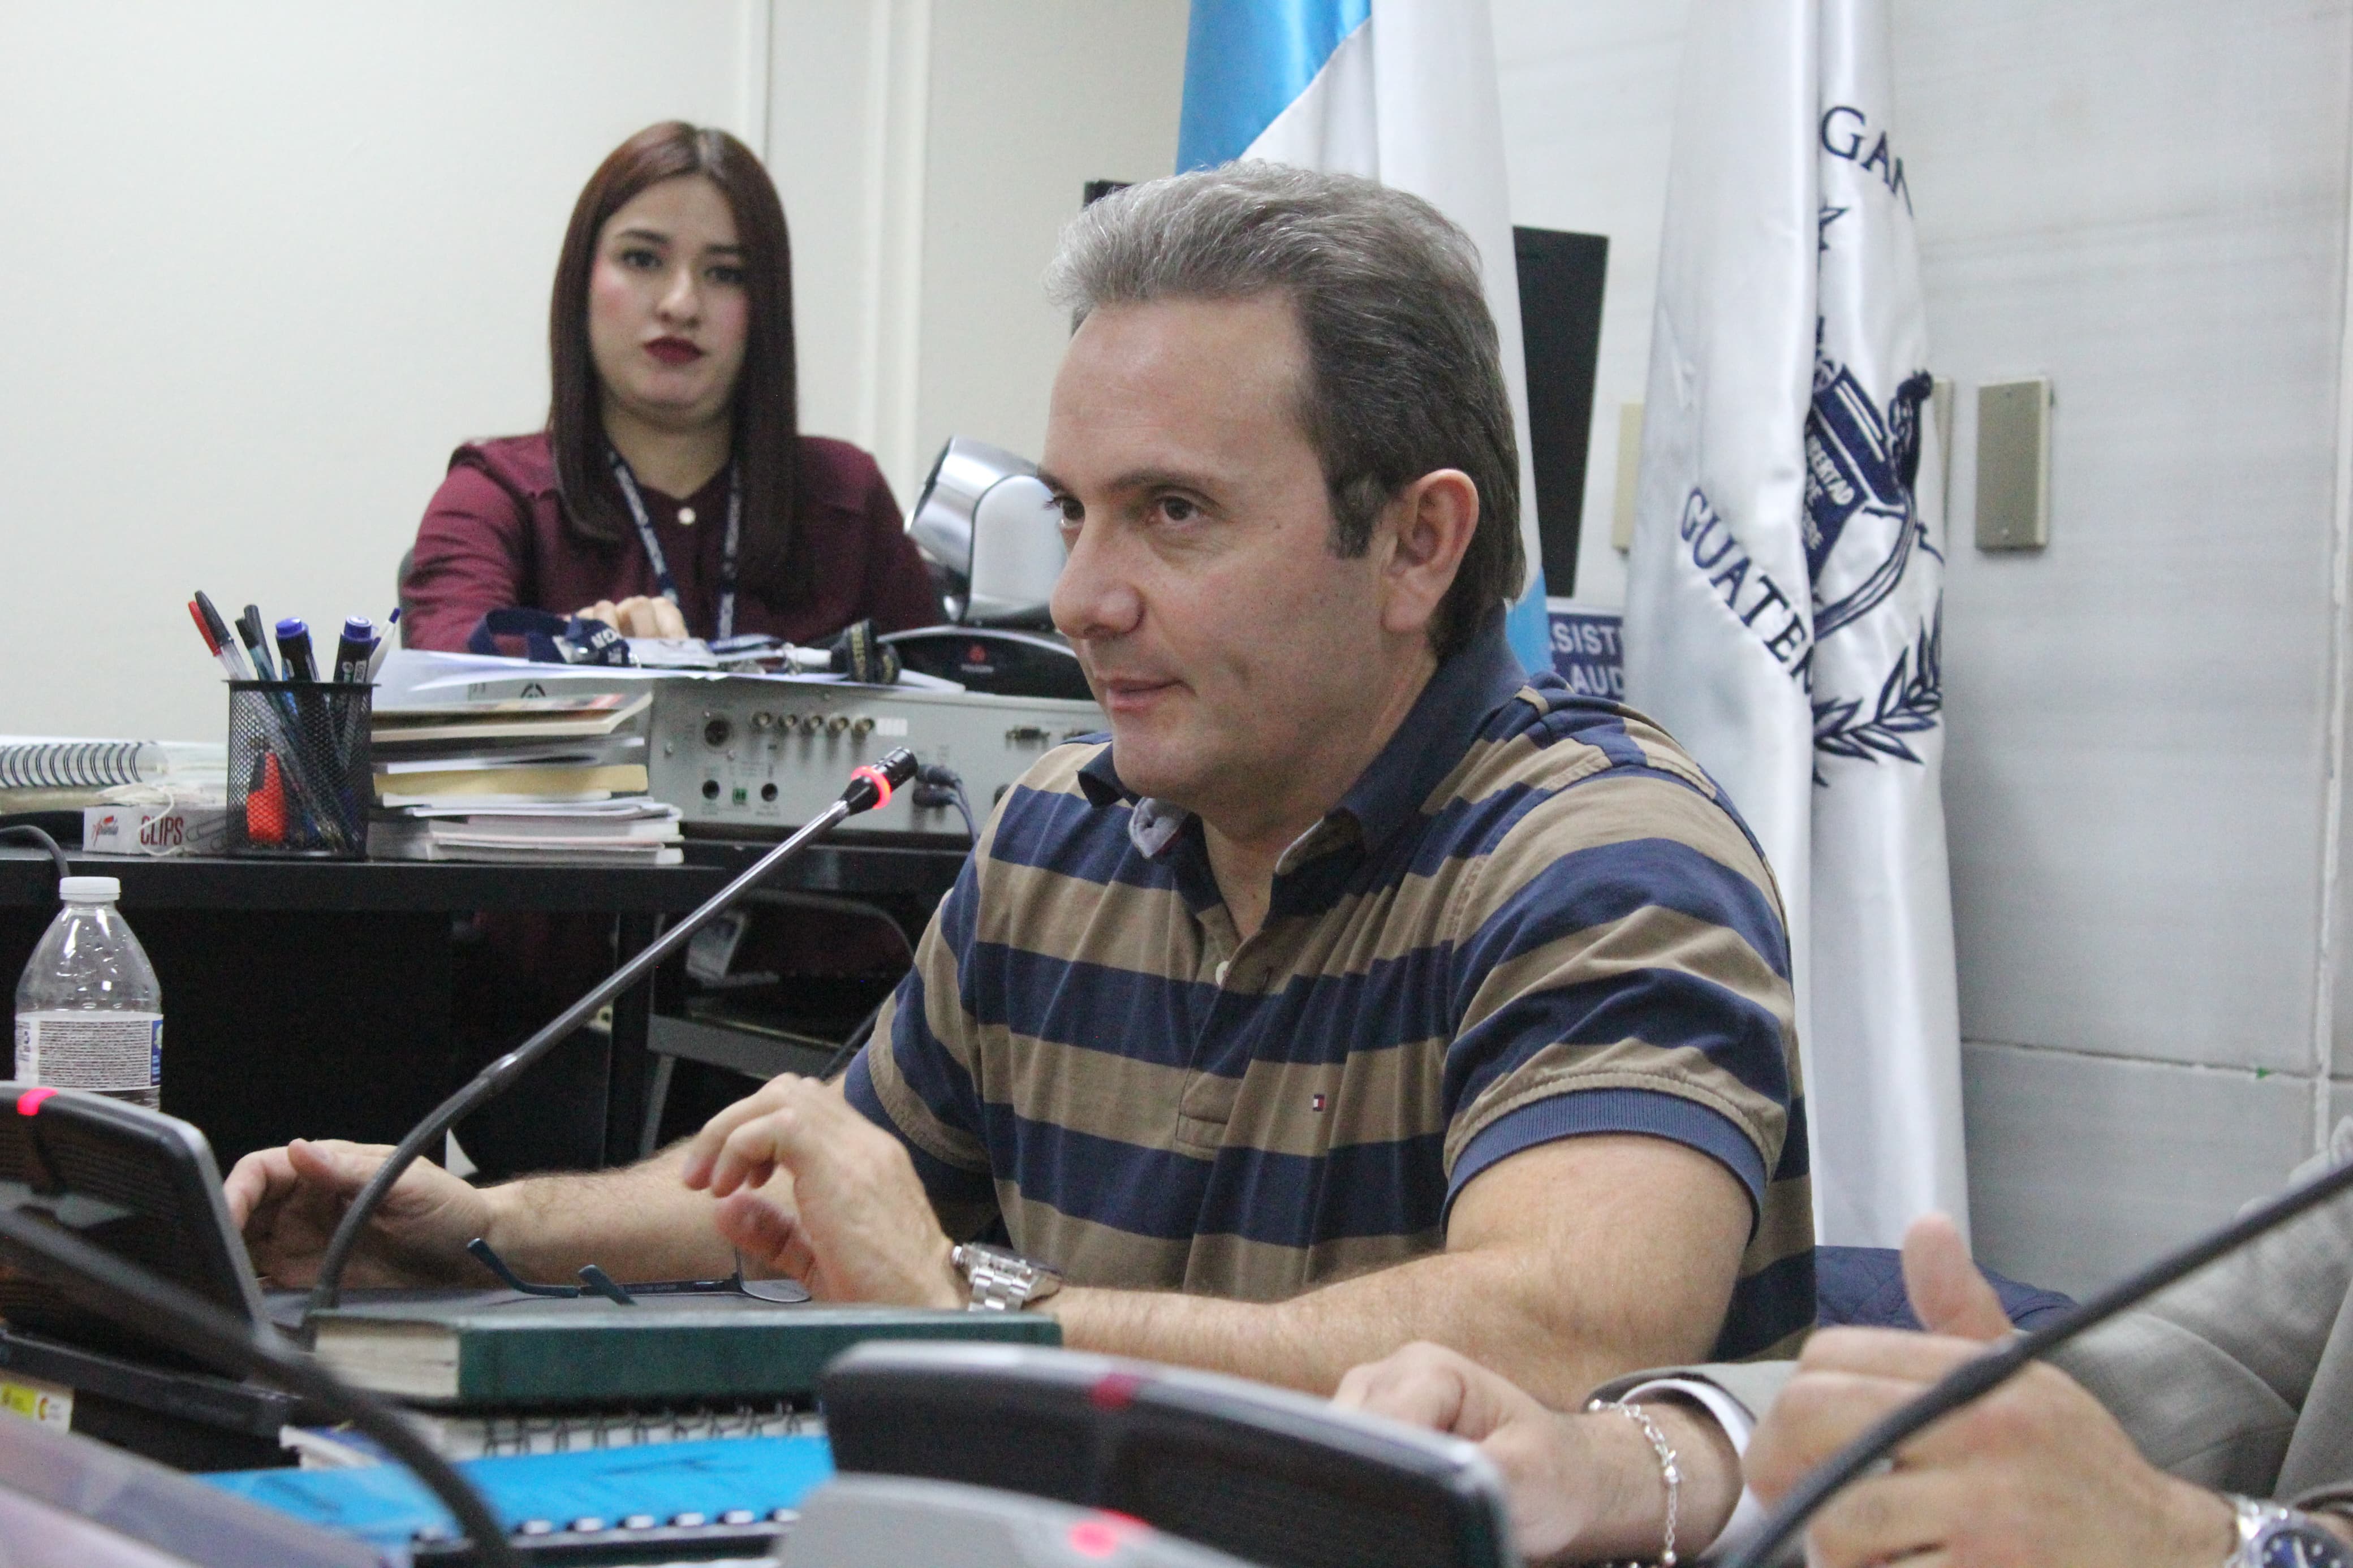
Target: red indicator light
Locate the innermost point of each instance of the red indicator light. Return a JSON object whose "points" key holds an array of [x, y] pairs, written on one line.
{"points": [[1102, 1534], [29, 1103], [881, 781], [1114, 1391]]}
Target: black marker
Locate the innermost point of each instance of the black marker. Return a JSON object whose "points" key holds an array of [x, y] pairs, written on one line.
{"points": [[255, 632], [294, 649]]}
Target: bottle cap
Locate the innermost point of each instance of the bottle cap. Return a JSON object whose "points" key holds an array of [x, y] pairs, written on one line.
{"points": [[89, 890]]}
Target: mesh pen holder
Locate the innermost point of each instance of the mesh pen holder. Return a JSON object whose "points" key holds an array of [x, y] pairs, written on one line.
{"points": [[297, 769]]}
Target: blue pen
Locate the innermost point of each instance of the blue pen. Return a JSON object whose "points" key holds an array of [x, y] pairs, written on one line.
{"points": [[294, 649], [354, 650]]}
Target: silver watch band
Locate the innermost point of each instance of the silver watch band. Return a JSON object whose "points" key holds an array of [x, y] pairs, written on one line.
{"points": [[2260, 1522], [2254, 1513], [1002, 1281]]}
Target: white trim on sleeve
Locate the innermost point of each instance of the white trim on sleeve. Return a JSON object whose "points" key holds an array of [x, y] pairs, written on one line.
{"points": [[1739, 1424]]}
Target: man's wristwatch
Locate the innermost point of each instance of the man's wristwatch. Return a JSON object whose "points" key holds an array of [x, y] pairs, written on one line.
{"points": [[2271, 1536], [1003, 1281]]}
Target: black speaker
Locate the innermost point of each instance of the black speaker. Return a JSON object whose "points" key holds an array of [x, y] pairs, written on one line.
{"points": [[1268, 1475], [1561, 281]]}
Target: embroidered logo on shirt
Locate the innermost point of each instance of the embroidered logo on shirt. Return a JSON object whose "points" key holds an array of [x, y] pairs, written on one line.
{"points": [[1317, 1104]]}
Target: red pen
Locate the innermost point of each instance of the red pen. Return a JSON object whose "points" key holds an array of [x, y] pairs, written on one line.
{"points": [[216, 637], [227, 661]]}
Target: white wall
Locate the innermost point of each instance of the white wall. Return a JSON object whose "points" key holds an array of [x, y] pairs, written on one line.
{"points": [[2153, 214], [1588, 99], [1030, 98], [970, 130], [270, 262], [2147, 203]]}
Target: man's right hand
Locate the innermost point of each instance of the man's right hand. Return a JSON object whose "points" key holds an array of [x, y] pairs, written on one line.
{"points": [[287, 1202], [2035, 1471]]}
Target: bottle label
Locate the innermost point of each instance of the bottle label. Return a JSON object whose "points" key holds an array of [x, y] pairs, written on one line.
{"points": [[116, 1053], [47, 1403]]}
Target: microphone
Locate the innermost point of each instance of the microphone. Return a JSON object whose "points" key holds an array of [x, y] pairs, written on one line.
{"points": [[1988, 1372], [132, 1296], [869, 788]]}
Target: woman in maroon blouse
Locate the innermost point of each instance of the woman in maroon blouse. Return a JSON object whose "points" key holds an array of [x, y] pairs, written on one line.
{"points": [[671, 493]]}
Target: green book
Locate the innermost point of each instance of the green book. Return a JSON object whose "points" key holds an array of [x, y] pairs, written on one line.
{"points": [[590, 1351]]}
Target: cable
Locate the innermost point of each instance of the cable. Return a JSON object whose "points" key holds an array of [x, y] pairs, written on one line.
{"points": [[936, 785], [130, 1296], [26, 830], [857, 1036], [1990, 1371], [869, 787]]}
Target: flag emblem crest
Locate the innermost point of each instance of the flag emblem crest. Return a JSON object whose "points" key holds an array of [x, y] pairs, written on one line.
{"points": [[1860, 459]]}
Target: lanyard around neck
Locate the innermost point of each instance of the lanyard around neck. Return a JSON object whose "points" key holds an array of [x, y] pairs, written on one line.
{"points": [[663, 581]]}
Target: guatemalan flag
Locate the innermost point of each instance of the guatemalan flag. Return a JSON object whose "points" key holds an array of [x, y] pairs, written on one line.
{"points": [[1785, 593], [1402, 91]]}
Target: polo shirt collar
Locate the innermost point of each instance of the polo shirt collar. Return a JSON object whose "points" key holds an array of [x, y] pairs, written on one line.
{"points": [[1445, 718], [1444, 721]]}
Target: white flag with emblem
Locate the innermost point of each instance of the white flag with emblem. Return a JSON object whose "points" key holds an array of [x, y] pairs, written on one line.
{"points": [[1785, 591]]}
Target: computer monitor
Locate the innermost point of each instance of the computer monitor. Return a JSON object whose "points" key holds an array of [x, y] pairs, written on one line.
{"points": [[132, 1182]]}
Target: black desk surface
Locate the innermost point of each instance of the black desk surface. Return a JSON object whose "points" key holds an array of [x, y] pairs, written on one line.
{"points": [[323, 1008], [202, 882]]}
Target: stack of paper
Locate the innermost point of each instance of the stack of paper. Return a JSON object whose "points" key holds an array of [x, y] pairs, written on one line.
{"points": [[543, 779], [587, 832]]}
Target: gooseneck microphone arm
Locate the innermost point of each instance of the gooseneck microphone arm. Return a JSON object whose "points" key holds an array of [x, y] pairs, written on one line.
{"points": [[869, 788], [129, 1295], [1988, 1372]]}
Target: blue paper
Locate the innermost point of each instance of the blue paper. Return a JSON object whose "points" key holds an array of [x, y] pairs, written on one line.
{"points": [[386, 1505]]}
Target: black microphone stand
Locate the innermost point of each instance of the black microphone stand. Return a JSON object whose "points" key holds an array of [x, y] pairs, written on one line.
{"points": [[869, 787], [1988, 1372]]}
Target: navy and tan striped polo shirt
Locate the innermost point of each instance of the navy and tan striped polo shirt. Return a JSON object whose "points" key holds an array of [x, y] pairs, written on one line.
{"points": [[1532, 918]]}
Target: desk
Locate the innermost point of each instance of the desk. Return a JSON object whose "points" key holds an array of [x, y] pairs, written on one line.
{"points": [[312, 998]]}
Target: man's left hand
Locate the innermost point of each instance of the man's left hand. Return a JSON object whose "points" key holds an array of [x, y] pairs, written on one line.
{"points": [[2036, 1471], [1581, 1487], [859, 1228]]}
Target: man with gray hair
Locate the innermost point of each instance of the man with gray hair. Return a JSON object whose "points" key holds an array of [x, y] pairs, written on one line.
{"points": [[1360, 989]]}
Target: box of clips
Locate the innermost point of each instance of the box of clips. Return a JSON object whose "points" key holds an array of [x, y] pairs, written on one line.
{"points": [[183, 827]]}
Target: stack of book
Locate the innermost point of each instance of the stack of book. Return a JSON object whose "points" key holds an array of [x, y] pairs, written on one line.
{"points": [[547, 779], [488, 1373]]}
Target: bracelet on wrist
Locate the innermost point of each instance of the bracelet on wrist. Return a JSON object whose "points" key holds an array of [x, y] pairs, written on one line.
{"points": [[1669, 1469]]}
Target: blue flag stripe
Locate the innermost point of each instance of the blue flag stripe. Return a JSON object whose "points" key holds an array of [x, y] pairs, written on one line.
{"points": [[1245, 60]]}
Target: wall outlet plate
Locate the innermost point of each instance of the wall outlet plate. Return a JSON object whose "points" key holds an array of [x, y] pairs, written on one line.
{"points": [[1629, 473], [2014, 465]]}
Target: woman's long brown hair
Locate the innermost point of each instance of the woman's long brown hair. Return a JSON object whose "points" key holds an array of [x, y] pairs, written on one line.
{"points": [[766, 405]]}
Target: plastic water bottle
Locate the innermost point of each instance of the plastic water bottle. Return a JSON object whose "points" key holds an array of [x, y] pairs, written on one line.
{"points": [[89, 1012]]}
